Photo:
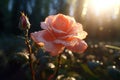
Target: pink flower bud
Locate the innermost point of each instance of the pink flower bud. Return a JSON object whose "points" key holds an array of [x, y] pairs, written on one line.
{"points": [[24, 22]]}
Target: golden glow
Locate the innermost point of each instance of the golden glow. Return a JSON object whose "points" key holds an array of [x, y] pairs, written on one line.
{"points": [[84, 11], [102, 8], [103, 5]]}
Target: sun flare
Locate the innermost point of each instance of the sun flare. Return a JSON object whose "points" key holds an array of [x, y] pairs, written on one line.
{"points": [[103, 5]]}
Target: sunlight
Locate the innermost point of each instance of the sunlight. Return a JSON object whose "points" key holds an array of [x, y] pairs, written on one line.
{"points": [[103, 5]]}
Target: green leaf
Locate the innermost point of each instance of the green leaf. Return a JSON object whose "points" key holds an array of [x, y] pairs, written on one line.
{"points": [[87, 70], [112, 47]]}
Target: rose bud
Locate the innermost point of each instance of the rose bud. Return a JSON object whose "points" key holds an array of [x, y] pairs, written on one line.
{"points": [[24, 22]]}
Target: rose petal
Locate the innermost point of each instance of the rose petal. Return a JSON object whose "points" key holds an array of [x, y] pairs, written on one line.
{"points": [[48, 21], [77, 31], [45, 37], [76, 27], [58, 31], [79, 47], [71, 41], [54, 49], [44, 25], [70, 21], [82, 35], [60, 22], [61, 31]]}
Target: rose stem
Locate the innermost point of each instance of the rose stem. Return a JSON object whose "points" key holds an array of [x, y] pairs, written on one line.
{"points": [[30, 54], [58, 66]]}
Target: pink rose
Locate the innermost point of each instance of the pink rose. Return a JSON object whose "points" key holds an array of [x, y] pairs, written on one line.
{"points": [[60, 31]]}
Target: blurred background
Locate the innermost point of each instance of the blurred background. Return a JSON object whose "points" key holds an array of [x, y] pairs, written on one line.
{"points": [[100, 18]]}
